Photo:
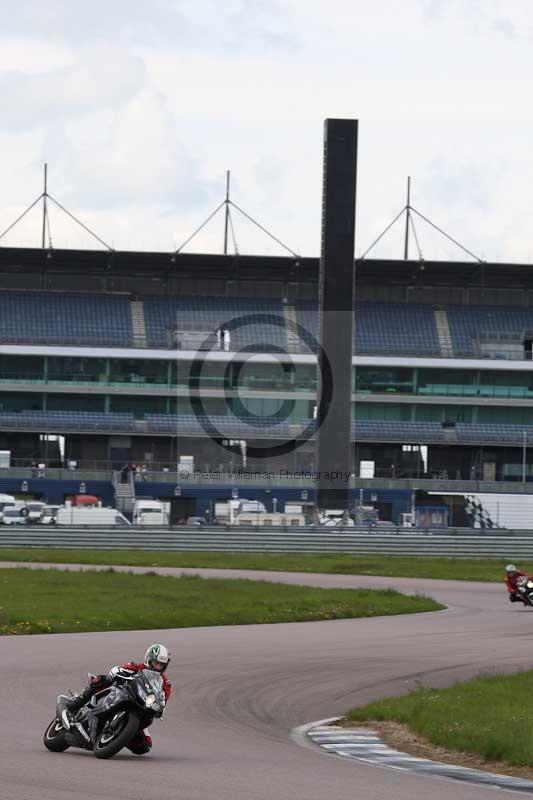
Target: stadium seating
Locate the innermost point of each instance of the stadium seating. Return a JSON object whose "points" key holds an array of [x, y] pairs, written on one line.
{"points": [[253, 323], [433, 432], [60, 317], [49, 421], [180, 424], [494, 433], [395, 328], [230, 426], [260, 427], [260, 324], [385, 328], [467, 324], [410, 432]]}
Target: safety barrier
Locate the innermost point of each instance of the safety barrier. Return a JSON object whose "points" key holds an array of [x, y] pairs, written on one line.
{"points": [[458, 543]]}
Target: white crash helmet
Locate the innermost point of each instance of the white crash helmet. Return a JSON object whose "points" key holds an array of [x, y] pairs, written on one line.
{"points": [[157, 657], [511, 568]]}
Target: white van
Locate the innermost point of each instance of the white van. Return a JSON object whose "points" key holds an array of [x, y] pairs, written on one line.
{"points": [[49, 515], [270, 520], [34, 511], [149, 512], [72, 515], [6, 501], [330, 521]]}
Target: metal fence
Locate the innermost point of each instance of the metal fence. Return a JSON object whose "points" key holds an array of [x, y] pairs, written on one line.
{"points": [[458, 543], [257, 478]]}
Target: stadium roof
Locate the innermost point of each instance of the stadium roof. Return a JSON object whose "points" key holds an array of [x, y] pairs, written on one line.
{"points": [[37, 261]]}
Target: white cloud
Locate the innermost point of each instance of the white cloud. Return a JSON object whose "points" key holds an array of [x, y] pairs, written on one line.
{"points": [[99, 77], [141, 108]]}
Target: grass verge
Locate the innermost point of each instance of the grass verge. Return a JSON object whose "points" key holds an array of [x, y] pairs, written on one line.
{"points": [[339, 563], [55, 601], [488, 716]]}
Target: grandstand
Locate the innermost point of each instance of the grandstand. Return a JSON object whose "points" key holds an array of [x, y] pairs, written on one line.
{"points": [[100, 354]]}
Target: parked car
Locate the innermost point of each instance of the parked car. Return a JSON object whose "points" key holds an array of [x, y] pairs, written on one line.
{"points": [[13, 516], [198, 522], [49, 515]]}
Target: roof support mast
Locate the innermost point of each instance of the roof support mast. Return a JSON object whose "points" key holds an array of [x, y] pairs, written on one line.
{"points": [[227, 214], [407, 220], [45, 195], [410, 222], [227, 203]]}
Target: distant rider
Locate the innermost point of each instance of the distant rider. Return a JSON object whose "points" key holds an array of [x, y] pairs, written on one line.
{"points": [[511, 579], [157, 657]]}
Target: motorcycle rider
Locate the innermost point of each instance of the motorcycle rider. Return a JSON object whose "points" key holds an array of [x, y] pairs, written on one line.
{"points": [[512, 574], [157, 658]]}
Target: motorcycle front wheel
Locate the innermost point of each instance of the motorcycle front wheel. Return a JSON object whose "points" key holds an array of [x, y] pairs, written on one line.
{"points": [[116, 734], [54, 737]]}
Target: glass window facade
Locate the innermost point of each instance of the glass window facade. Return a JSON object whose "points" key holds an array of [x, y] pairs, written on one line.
{"points": [[21, 368], [138, 372], [455, 383], [382, 411], [442, 413], [440, 382], [61, 369], [506, 384], [506, 414], [15, 401], [252, 376], [265, 407], [378, 379], [249, 375]]}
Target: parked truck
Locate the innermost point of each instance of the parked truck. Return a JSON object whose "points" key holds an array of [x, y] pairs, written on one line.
{"points": [[149, 512], [226, 512]]}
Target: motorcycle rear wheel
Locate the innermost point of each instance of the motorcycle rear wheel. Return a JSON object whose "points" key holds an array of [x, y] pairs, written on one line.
{"points": [[54, 737], [111, 745]]}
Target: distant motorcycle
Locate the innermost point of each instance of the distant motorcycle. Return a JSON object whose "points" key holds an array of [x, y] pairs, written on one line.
{"points": [[524, 590], [111, 718]]}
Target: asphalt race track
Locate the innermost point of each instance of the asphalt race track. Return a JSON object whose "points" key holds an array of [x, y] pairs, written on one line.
{"points": [[238, 692]]}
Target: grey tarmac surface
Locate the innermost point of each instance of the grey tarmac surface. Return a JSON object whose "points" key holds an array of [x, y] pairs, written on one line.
{"points": [[238, 692]]}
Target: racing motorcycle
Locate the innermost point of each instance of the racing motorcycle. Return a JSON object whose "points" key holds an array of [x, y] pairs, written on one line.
{"points": [[524, 590], [111, 718]]}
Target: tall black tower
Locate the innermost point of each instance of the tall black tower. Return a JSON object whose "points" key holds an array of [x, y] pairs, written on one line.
{"points": [[336, 301]]}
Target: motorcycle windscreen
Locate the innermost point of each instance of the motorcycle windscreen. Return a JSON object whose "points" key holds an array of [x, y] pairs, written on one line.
{"points": [[151, 683]]}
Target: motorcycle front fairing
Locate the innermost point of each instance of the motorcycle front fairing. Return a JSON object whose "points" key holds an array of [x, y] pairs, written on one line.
{"points": [[524, 588], [150, 693], [141, 692], [144, 690]]}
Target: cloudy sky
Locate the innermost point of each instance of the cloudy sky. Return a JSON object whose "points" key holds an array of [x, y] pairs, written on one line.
{"points": [[140, 108]]}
